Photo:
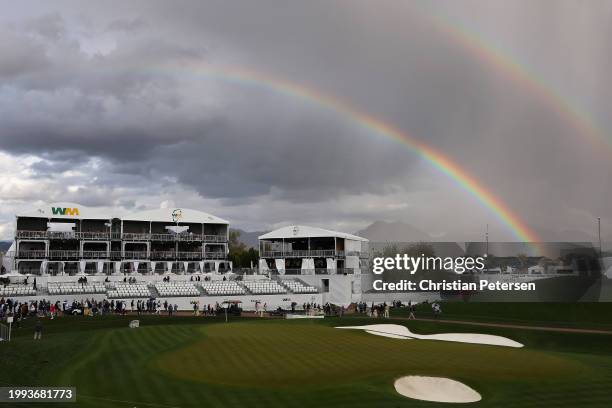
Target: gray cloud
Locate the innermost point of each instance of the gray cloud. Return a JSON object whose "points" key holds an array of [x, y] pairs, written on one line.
{"points": [[50, 26], [19, 55], [126, 25], [104, 98]]}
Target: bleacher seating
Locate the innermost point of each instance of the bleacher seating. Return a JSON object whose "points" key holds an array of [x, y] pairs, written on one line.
{"points": [[299, 287], [264, 287], [17, 290], [220, 288], [129, 290], [176, 289], [71, 288]]}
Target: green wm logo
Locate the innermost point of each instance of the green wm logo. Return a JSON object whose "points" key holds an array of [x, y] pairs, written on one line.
{"points": [[65, 211]]}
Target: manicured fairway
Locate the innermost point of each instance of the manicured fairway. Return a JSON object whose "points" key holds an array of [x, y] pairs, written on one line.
{"points": [[581, 315], [183, 362]]}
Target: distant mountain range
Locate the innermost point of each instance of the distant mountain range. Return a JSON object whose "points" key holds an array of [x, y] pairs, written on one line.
{"points": [[249, 238], [382, 231], [5, 245]]}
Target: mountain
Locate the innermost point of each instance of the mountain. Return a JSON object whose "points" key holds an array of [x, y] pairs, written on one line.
{"points": [[248, 238], [5, 245], [382, 234], [382, 231]]}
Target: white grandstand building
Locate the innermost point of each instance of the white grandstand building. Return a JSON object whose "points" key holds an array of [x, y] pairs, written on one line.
{"points": [[68, 239], [73, 252], [331, 262]]}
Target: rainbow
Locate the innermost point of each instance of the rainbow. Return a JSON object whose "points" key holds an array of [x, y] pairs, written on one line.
{"points": [[488, 54], [369, 123]]}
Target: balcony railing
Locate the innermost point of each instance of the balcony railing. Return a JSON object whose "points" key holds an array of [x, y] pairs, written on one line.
{"points": [[127, 236], [187, 237], [184, 255], [214, 255], [32, 254], [317, 271], [131, 236], [116, 255], [317, 253]]}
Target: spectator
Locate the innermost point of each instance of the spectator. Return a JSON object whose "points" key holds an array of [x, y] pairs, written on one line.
{"points": [[436, 310], [412, 309], [38, 330]]}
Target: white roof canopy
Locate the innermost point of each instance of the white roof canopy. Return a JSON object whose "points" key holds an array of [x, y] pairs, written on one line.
{"points": [[76, 211], [300, 231], [180, 215]]}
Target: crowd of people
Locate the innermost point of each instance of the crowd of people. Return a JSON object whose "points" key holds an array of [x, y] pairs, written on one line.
{"points": [[43, 307], [90, 307], [383, 310]]}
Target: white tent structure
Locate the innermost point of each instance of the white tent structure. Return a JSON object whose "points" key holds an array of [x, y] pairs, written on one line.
{"points": [[301, 231], [66, 232], [328, 260]]}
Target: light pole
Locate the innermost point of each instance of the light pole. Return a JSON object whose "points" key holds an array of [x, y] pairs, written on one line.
{"points": [[487, 241], [599, 234]]}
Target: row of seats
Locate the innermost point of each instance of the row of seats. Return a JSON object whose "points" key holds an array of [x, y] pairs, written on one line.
{"points": [[176, 289], [129, 290], [75, 288], [263, 287], [299, 287], [10, 291], [222, 288], [165, 289]]}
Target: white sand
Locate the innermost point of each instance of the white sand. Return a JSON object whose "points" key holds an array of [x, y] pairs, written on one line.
{"points": [[397, 331], [393, 336], [437, 389]]}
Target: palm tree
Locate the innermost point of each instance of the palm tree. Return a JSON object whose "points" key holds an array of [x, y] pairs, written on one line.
{"points": [[522, 258]]}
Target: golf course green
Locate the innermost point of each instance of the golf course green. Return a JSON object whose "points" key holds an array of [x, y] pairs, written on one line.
{"points": [[248, 362]]}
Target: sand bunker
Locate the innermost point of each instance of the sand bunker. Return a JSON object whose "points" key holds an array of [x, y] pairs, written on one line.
{"points": [[397, 331], [393, 336], [437, 389]]}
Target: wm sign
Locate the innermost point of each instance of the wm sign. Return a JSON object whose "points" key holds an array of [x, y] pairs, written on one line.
{"points": [[65, 211]]}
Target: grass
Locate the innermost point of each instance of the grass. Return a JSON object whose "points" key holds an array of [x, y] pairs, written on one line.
{"points": [[195, 362], [571, 315]]}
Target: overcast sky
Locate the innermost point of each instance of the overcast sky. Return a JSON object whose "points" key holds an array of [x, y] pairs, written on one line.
{"points": [[100, 105]]}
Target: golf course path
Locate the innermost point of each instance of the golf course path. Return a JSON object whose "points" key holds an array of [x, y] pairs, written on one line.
{"points": [[512, 326]]}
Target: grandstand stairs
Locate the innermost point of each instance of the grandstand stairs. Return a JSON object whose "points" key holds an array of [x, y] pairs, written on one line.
{"points": [[200, 289], [301, 281], [280, 282], [154, 293]]}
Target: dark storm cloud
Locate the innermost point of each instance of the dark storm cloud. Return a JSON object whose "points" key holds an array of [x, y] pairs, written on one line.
{"points": [[110, 81], [58, 162], [304, 152]]}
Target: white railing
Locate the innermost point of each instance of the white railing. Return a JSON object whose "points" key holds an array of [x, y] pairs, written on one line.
{"points": [[115, 255], [316, 253], [32, 254], [127, 236], [317, 271], [214, 255]]}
